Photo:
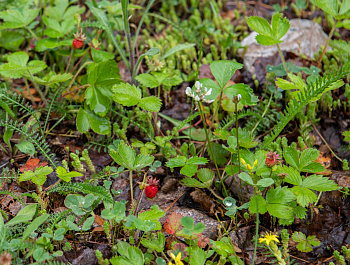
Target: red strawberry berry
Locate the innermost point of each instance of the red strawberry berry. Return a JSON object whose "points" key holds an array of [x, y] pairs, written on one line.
{"points": [[151, 188], [79, 39], [272, 159], [77, 44]]}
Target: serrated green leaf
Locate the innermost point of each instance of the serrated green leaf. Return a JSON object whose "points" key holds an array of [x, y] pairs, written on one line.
{"points": [[206, 175], [260, 25], [247, 94], [266, 40], [148, 80], [261, 204], [67, 176], [189, 170], [52, 78], [291, 156], [308, 156], [266, 182], [18, 18], [246, 177], [319, 183], [124, 155], [126, 95], [195, 160], [151, 103], [82, 121], [206, 82], [280, 26], [304, 195], [99, 103], [100, 56], [224, 70], [179, 161], [328, 6], [100, 125], [142, 161], [280, 210]]}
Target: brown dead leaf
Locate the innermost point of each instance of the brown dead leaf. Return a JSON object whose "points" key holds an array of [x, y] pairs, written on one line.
{"points": [[326, 162], [25, 94]]}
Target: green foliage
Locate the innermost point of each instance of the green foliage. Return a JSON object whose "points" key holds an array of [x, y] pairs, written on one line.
{"points": [[333, 8], [38, 177], [206, 177], [125, 156], [305, 244], [269, 34], [128, 95], [189, 166], [298, 103]]}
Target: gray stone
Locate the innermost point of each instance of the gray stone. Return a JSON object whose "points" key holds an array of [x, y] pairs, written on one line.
{"points": [[303, 37]]}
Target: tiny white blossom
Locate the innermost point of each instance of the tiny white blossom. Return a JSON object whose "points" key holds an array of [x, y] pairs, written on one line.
{"points": [[196, 98], [239, 97], [207, 93], [189, 91], [198, 85]]}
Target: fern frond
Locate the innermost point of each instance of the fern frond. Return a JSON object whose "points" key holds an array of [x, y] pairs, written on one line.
{"points": [[86, 188], [184, 122], [56, 217], [37, 140], [55, 262], [52, 102], [298, 103], [13, 195], [243, 113], [92, 24], [97, 145], [16, 100]]}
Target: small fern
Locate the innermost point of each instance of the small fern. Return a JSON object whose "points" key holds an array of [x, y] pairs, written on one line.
{"points": [[86, 188], [55, 262], [15, 100], [98, 145], [33, 137], [297, 104], [56, 217], [228, 121], [14, 195], [92, 24]]}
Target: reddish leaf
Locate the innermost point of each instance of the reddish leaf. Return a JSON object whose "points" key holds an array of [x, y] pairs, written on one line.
{"points": [[173, 223], [178, 247], [32, 164], [203, 241]]}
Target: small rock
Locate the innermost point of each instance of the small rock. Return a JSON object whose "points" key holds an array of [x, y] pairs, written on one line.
{"points": [[88, 257], [303, 37]]}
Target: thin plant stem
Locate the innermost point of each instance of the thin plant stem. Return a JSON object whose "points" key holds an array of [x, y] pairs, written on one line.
{"points": [[325, 47], [33, 34], [28, 90], [81, 68], [131, 188], [257, 225], [37, 88], [81, 58], [70, 57], [210, 147], [282, 58], [234, 179], [263, 115], [239, 158]]}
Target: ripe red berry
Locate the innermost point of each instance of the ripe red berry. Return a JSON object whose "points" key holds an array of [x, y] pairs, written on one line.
{"points": [[77, 44], [151, 188]]}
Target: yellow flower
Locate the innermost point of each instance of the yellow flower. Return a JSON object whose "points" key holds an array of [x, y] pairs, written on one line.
{"points": [[243, 162], [268, 238], [249, 167], [177, 259], [255, 163]]}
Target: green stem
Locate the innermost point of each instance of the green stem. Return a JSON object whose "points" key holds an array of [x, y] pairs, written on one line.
{"points": [[41, 94], [81, 68], [325, 47], [210, 147], [239, 158], [282, 58], [131, 188], [28, 90], [262, 116], [33, 34], [257, 225]]}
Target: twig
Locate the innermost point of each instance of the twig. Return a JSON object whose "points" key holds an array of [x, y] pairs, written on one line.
{"points": [[174, 202], [325, 142]]}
